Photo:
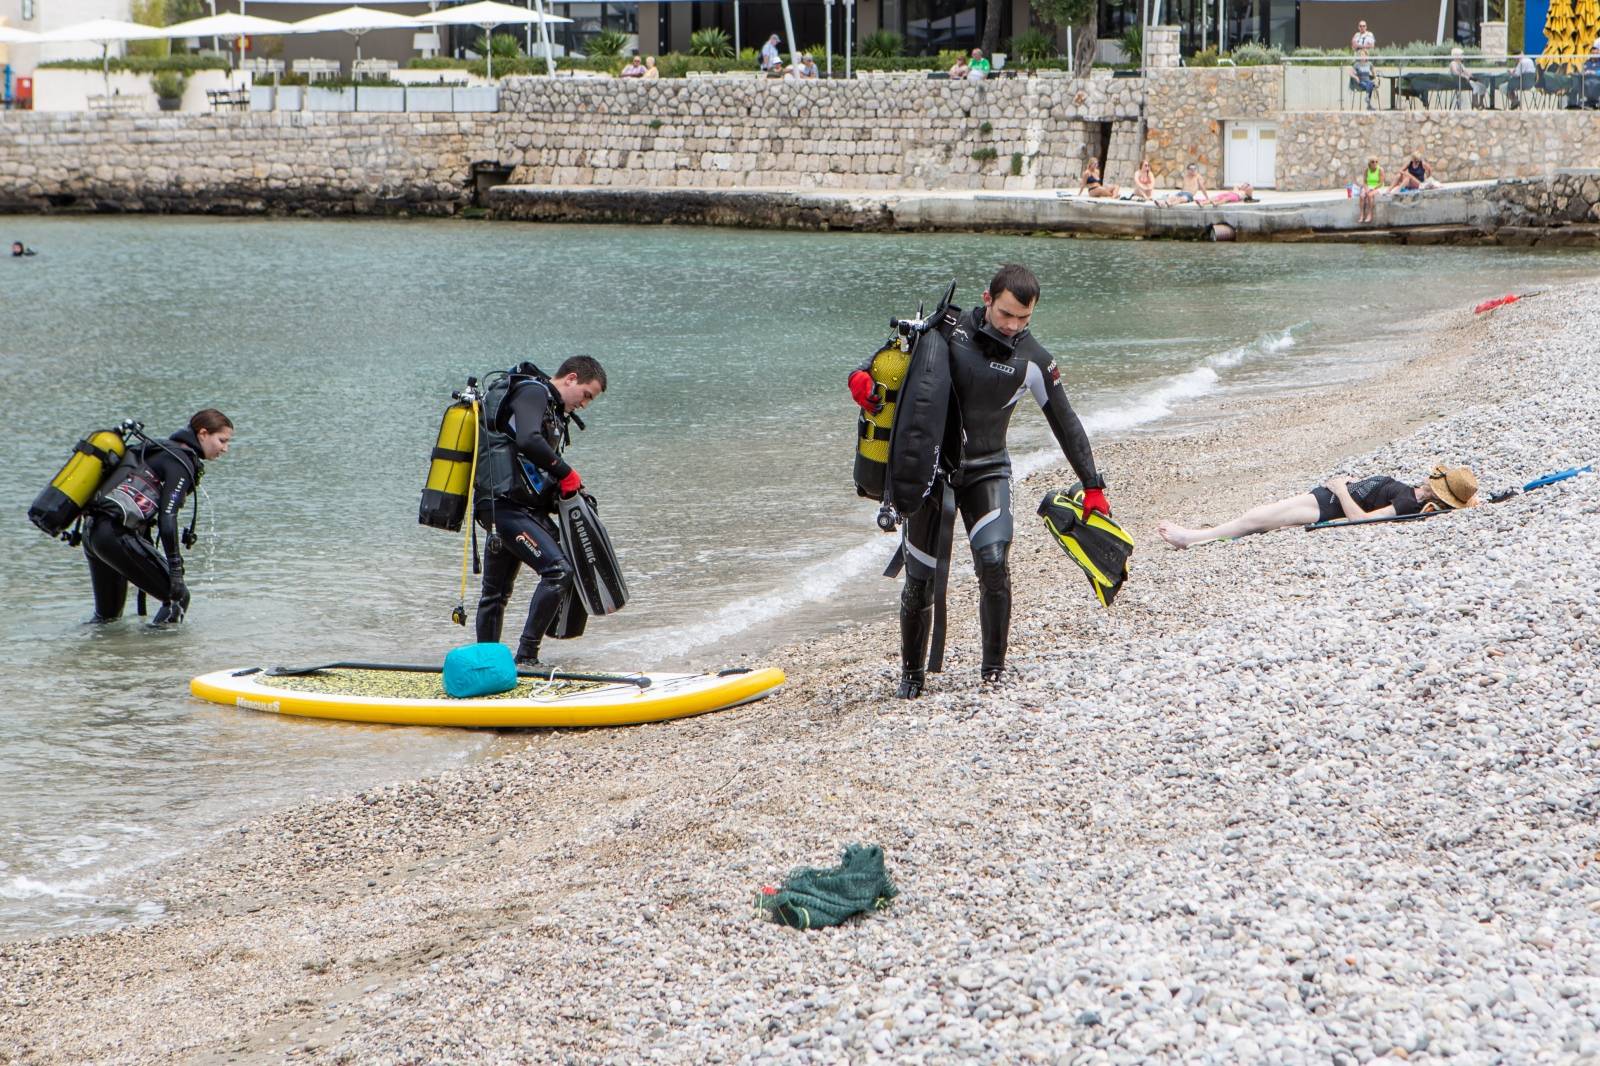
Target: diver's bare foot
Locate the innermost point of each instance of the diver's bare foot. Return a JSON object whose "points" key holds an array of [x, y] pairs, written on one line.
{"points": [[1176, 535]]}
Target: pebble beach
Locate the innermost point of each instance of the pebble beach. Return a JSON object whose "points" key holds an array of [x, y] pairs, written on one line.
{"points": [[1323, 797]]}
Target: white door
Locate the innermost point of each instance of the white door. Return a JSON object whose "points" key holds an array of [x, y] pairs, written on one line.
{"points": [[1252, 154]]}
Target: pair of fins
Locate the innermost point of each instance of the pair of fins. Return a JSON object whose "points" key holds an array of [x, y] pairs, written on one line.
{"points": [[598, 587], [1098, 545]]}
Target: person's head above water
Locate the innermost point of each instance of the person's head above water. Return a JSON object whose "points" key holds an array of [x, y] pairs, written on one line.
{"points": [[17, 248], [1009, 300], [214, 431], [578, 380]]}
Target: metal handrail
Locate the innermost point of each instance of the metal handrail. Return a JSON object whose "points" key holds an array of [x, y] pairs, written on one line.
{"points": [[1497, 61]]}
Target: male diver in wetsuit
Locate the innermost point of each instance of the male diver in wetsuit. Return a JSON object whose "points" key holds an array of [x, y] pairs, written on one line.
{"points": [[994, 362], [148, 489], [518, 490]]}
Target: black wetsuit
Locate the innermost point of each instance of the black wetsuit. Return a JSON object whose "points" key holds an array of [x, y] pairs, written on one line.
{"points": [[522, 522], [118, 524], [990, 373]]}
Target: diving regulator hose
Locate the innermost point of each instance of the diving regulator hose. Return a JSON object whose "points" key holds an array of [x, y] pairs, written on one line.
{"points": [[459, 615]]}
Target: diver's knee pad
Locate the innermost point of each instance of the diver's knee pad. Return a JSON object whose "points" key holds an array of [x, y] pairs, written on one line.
{"points": [[994, 572], [916, 596]]}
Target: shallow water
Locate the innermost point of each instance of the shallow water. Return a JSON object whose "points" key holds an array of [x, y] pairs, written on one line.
{"points": [[720, 456]]}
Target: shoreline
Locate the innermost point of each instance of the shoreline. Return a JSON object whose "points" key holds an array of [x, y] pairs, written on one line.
{"points": [[542, 882]]}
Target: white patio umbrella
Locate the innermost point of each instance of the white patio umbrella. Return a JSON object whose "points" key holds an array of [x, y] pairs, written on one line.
{"points": [[233, 26], [11, 35], [487, 14], [356, 21], [103, 32]]}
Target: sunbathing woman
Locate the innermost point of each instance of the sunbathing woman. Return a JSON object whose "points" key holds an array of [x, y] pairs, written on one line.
{"points": [[1340, 499], [1092, 182]]}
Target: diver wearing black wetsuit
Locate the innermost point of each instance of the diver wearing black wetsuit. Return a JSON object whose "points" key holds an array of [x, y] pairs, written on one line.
{"points": [[991, 371], [148, 491], [518, 509]]}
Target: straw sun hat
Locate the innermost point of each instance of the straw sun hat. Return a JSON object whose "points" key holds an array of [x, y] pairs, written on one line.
{"points": [[1456, 486]]}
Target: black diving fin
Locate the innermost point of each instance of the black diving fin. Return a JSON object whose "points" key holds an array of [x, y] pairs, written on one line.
{"points": [[1098, 545]]}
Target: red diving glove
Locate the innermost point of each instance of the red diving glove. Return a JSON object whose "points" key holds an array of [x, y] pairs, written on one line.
{"points": [[861, 386], [571, 483], [1094, 501]]}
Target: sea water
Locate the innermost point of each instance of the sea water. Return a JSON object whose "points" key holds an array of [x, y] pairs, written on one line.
{"points": [[720, 455]]}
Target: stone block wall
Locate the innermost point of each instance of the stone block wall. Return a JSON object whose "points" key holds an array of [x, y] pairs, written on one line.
{"points": [[876, 133], [1186, 106], [327, 162], [1321, 150]]}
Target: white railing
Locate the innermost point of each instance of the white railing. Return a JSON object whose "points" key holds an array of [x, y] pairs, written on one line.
{"points": [[1331, 83]]}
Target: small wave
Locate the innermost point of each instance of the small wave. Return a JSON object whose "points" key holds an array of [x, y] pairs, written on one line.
{"points": [[813, 584]]}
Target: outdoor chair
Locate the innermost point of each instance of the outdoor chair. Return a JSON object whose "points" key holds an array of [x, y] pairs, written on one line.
{"points": [[1370, 93]]}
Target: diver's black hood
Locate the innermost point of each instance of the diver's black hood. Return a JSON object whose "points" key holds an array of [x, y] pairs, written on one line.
{"points": [[191, 443], [978, 324]]}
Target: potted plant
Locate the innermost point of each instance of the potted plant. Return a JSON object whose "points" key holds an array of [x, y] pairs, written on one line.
{"points": [[168, 86]]}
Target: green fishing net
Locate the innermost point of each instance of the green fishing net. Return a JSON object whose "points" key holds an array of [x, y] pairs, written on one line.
{"points": [[813, 898]]}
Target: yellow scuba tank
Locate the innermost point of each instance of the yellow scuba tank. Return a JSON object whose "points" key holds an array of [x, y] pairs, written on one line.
{"points": [[445, 494], [69, 492], [888, 370]]}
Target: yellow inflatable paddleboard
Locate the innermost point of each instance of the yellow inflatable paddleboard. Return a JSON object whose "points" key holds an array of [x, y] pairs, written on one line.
{"points": [[417, 697]]}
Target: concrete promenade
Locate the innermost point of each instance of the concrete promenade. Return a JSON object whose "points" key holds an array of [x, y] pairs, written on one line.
{"points": [[1462, 212]]}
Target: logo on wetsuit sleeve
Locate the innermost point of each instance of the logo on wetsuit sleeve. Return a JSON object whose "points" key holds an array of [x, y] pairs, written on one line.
{"points": [[1054, 372]]}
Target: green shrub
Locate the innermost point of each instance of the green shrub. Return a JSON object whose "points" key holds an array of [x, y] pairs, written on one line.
{"points": [[749, 57], [606, 44], [168, 84], [711, 42], [947, 58], [655, 123], [984, 155], [1016, 164], [501, 46], [1206, 57], [144, 64], [1029, 47], [1132, 42], [986, 127], [1254, 54], [882, 44]]}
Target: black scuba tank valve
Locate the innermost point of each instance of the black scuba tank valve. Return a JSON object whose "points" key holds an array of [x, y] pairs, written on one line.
{"points": [[459, 615], [888, 518]]}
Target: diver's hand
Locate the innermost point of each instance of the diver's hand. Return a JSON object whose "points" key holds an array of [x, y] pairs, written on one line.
{"points": [[179, 592], [861, 386], [571, 483], [1094, 502]]}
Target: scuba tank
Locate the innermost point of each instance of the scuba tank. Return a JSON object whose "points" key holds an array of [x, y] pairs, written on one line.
{"points": [[897, 464], [93, 459], [449, 484]]}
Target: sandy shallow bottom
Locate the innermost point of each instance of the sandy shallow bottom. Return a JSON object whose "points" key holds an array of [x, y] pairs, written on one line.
{"points": [[1320, 797]]}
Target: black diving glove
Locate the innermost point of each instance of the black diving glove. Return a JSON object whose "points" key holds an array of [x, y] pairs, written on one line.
{"points": [[180, 591]]}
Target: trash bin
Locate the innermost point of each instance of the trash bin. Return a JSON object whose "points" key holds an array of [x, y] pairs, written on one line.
{"points": [[24, 93]]}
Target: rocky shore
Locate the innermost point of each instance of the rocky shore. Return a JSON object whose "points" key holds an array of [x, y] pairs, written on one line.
{"points": [[1307, 797]]}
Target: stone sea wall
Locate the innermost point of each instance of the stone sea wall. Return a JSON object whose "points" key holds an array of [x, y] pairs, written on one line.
{"points": [[1186, 107], [872, 134], [325, 162], [1320, 150]]}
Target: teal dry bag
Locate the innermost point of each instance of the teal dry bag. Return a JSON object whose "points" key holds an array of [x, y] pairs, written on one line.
{"points": [[479, 670]]}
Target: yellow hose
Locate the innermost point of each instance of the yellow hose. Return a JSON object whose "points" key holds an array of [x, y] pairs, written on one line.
{"points": [[466, 536]]}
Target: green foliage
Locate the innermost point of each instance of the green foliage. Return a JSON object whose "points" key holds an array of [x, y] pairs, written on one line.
{"points": [[1415, 48], [984, 155], [1016, 164], [1206, 57], [144, 64], [882, 44], [149, 13], [655, 123], [501, 45], [606, 43], [1030, 46], [986, 127], [177, 11], [1132, 42], [711, 43], [1063, 13], [168, 84], [750, 57], [947, 58], [1254, 54]]}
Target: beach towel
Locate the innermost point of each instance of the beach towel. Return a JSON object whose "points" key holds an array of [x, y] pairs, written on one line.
{"points": [[813, 898]]}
